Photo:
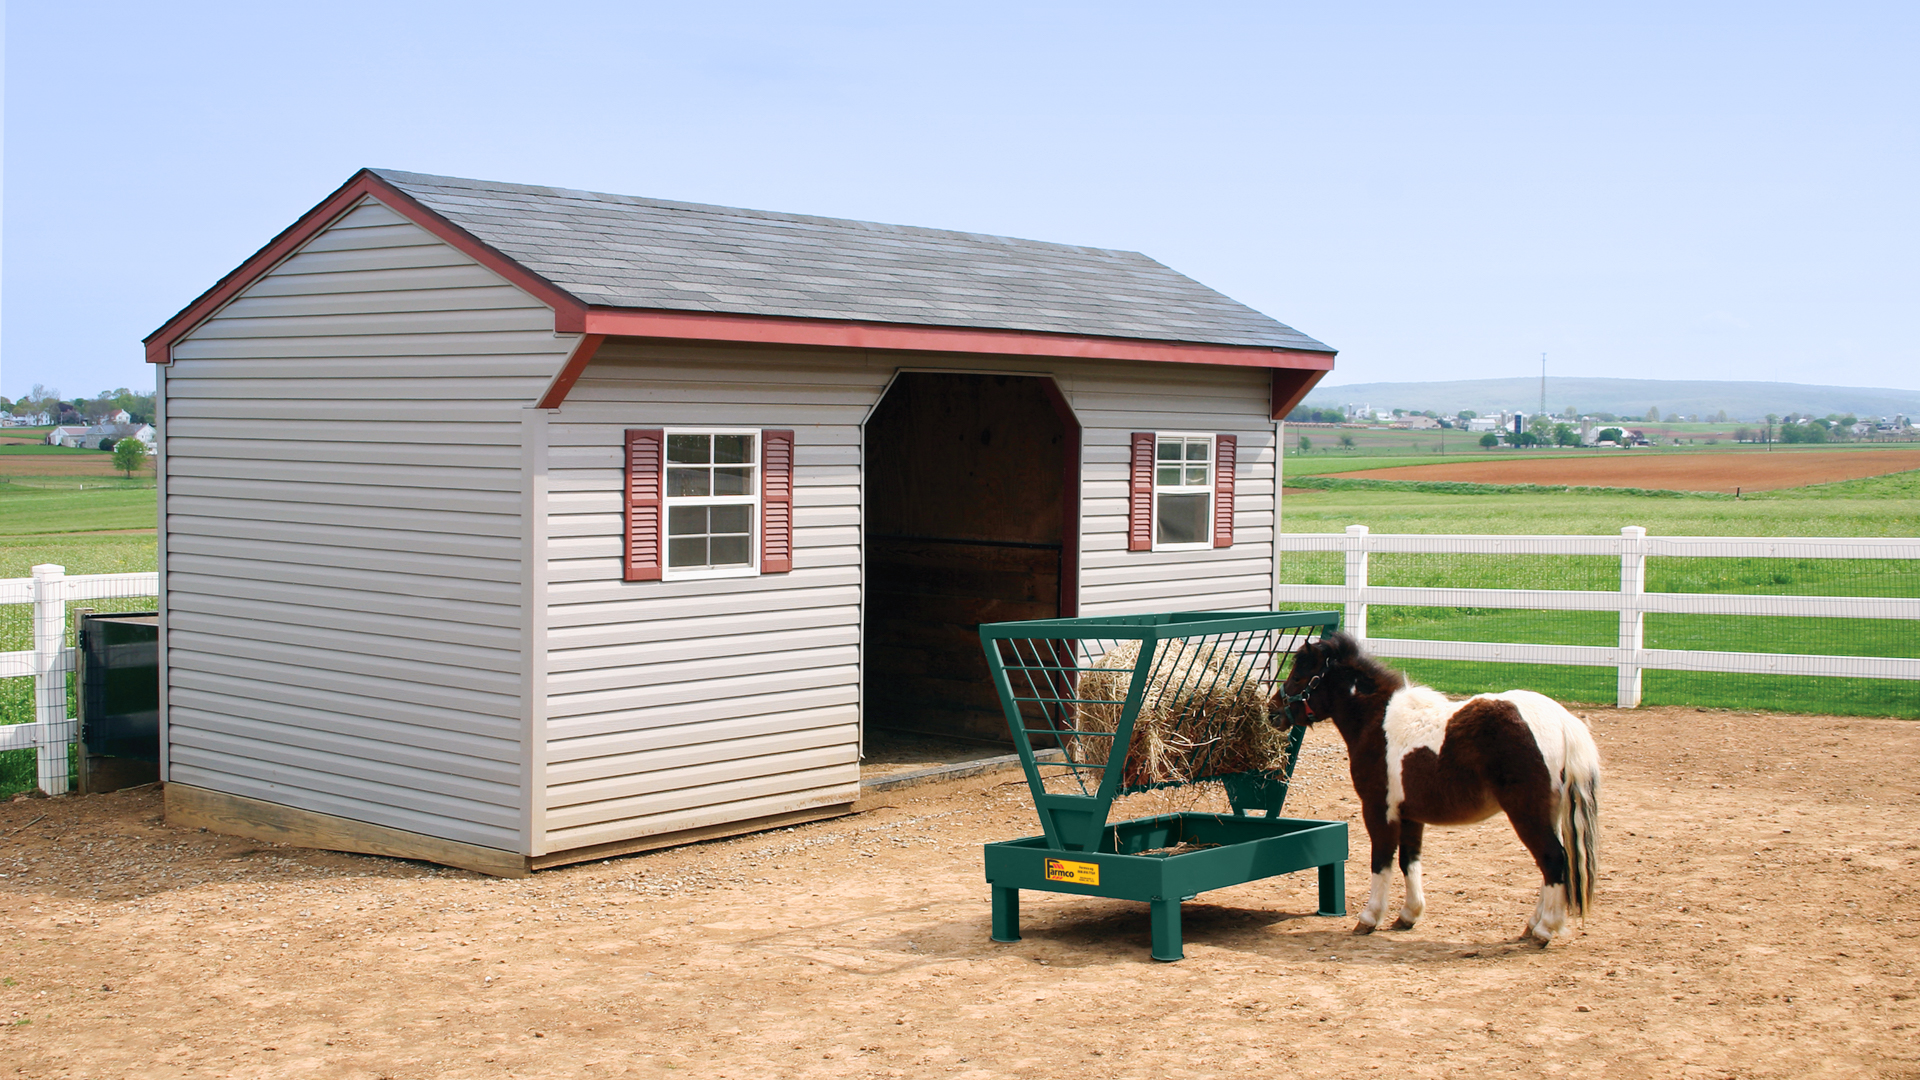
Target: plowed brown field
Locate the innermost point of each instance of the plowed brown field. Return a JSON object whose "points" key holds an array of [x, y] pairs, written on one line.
{"points": [[77, 463], [1746, 470]]}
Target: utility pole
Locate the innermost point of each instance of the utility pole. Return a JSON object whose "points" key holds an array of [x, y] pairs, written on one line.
{"points": [[1543, 384]]}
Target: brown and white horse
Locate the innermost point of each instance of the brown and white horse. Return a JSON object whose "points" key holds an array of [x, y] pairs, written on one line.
{"points": [[1420, 759]]}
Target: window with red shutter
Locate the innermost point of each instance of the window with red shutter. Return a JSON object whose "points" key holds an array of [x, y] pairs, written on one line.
{"points": [[776, 502], [1180, 491], [645, 451], [708, 503]]}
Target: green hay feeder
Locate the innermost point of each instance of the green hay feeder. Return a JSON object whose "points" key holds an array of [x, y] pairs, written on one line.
{"points": [[1141, 702]]}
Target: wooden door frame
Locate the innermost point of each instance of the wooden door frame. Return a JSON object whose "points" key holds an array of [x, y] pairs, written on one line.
{"points": [[1072, 451]]}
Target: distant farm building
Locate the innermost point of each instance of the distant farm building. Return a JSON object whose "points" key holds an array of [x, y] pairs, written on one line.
{"points": [[97, 435], [506, 526]]}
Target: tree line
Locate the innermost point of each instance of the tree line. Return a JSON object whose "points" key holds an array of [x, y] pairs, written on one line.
{"points": [[82, 410]]}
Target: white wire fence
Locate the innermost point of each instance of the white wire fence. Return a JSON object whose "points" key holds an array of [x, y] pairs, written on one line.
{"points": [[38, 658], [1826, 624]]}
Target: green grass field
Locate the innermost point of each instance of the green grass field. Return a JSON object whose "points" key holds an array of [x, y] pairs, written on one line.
{"points": [[105, 527], [13, 450], [1879, 506], [101, 506]]}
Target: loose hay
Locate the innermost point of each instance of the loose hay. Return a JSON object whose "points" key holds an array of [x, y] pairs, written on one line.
{"points": [[1203, 713]]}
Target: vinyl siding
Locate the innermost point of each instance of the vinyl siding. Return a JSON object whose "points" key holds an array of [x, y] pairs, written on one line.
{"points": [[1173, 397], [673, 705], [346, 538]]}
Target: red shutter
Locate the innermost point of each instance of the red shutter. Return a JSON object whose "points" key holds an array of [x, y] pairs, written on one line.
{"points": [[776, 502], [1226, 449], [1140, 494], [645, 450]]}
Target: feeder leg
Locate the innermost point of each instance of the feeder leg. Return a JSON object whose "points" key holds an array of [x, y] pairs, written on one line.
{"points": [[1166, 930], [1333, 889], [1006, 914]]}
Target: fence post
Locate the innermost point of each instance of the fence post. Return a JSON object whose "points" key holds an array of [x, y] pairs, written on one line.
{"points": [[1356, 620], [50, 675], [1633, 615]]}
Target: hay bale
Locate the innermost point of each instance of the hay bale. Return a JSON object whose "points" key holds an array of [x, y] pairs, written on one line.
{"points": [[1202, 708]]}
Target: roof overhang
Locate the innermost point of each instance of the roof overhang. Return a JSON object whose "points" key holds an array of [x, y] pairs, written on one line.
{"points": [[1295, 371]]}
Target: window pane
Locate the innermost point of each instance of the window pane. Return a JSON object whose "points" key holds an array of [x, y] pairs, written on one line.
{"points": [[1169, 450], [1182, 519], [1197, 450], [689, 551], [1167, 477], [1196, 476], [681, 482], [731, 449], [689, 449], [686, 520], [730, 551], [735, 481], [731, 519]]}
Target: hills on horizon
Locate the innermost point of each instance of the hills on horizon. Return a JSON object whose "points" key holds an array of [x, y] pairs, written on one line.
{"points": [[1624, 397]]}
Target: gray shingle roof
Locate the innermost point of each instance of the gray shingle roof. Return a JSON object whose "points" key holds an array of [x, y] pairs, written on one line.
{"points": [[622, 251]]}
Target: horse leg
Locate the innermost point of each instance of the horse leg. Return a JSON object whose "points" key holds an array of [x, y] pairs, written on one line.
{"points": [[1411, 833], [1385, 838], [1535, 827]]}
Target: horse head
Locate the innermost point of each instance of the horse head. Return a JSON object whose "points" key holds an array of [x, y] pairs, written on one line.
{"points": [[1326, 675]]}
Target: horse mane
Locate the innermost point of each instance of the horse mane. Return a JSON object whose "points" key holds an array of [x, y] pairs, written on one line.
{"points": [[1340, 647]]}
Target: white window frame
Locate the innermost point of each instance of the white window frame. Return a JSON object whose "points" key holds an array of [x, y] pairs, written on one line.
{"points": [[755, 522], [1210, 490]]}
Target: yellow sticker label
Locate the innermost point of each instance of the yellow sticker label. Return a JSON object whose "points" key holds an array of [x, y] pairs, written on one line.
{"points": [[1080, 873]]}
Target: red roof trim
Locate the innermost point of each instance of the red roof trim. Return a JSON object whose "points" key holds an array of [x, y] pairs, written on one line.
{"points": [[362, 185], [577, 362], [1290, 388], [782, 330]]}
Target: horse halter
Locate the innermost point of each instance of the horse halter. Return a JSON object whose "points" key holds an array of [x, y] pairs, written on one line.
{"points": [[1300, 699]]}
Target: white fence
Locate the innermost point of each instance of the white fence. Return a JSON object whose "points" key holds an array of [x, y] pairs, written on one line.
{"points": [[51, 659], [1632, 547]]}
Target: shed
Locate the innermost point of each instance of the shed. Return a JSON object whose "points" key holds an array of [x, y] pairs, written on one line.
{"points": [[505, 526]]}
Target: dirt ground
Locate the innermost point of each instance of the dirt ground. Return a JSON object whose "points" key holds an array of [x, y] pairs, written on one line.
{"points": [[1757, 919], [1746, 470]]}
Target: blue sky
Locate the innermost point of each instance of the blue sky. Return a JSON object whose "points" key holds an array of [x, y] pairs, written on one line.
{"points": [[1439, 191]]}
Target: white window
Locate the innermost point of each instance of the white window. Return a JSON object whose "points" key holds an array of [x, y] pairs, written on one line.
{"points": [[1182, 492], [712, 497]]}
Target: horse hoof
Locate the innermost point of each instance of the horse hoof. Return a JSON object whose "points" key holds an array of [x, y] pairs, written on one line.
{"points": [[1363, 928], [1534, 937], [1402, 923]]}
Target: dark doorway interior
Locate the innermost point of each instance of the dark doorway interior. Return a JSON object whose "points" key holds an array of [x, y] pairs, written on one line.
{"points": [[967, 485]]}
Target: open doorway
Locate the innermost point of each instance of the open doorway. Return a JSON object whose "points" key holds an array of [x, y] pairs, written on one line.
{"points": [[972, 516]]}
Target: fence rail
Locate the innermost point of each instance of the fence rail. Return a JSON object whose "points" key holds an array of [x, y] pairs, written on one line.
{"points": [[51, 659], [1630, 656]]}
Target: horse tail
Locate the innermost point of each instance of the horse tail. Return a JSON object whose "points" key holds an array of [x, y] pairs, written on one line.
{"points": [[1579, 814]]}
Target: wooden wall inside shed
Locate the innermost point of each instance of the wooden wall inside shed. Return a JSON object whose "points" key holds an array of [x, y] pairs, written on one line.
{"points": [[963, 526]]}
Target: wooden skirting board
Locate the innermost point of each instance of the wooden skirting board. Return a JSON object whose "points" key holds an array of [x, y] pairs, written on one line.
{"points": [[191, 807], [688, 836]]}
